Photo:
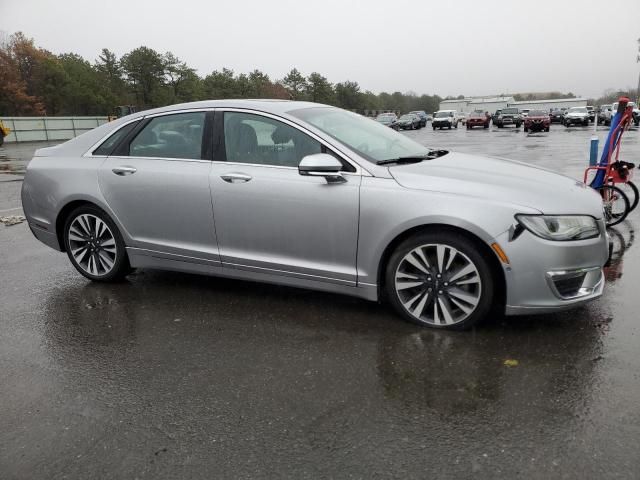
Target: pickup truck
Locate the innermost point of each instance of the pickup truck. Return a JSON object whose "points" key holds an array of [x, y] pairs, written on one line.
{"points": [[636, 112], [507, 116]]}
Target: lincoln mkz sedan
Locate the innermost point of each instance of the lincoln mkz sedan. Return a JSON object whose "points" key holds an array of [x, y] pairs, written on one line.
{"points": [[314, 196]]}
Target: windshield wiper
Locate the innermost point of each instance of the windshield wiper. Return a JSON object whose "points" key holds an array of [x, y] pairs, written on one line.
{"points": [[402, 160], [414, 158]]}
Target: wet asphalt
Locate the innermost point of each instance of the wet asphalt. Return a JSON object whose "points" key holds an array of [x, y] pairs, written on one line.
{"points": [[170, 375]]}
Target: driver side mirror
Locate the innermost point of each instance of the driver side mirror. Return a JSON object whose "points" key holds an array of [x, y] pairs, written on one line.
{"points": [[322, 165]]}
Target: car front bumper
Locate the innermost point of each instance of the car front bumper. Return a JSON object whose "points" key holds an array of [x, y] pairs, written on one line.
{"points": [[577, 121], [536, 126], [546, 276], [437, 123]]}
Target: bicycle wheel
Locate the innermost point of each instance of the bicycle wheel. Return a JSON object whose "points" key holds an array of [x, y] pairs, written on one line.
{"points": [[631, 191], [615, 204]]}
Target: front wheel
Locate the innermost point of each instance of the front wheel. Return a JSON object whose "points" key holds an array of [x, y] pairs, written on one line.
{"points": [[94, 245], [440, 280], [615, 204]]}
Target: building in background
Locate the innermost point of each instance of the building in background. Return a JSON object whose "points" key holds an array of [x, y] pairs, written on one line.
{"points": [[547, 105], [469, 104], [491, 104]]}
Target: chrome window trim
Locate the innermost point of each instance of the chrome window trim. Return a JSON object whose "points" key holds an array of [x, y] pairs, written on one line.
{"points": [[168, 159], [359, 170]]}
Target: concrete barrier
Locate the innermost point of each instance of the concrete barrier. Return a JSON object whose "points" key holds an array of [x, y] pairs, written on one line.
{"points": [[37, 129]]}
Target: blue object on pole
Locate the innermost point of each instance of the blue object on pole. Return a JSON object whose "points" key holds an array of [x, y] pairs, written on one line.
{"points": [[593, 154], [611, 142]]}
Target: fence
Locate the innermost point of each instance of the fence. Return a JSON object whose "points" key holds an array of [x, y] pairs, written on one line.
{"points": [[35, 129]]}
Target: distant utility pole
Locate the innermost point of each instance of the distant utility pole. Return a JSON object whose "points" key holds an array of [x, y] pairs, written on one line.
{"points": [[638, 90]]}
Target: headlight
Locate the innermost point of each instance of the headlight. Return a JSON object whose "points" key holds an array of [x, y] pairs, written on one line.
{"points": [[560, 227]]}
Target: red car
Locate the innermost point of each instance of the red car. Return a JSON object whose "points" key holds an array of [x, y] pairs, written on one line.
{"points": [[537, 121], [478, 119]]}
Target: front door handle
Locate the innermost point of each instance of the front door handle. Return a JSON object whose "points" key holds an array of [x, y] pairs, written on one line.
{"points": [[122, 171], [235, 177]]}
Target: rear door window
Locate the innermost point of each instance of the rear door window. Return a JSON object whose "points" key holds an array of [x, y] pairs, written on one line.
{"points": [[171, 136]]}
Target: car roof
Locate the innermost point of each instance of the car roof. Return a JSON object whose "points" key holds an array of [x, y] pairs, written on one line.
{"points": [[80, 144]]}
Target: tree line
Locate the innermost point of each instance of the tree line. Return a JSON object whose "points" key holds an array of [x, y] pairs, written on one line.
{"points": [[34, 81]]}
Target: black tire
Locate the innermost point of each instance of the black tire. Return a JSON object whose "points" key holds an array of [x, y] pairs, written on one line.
{"points": [[470, 252], [485, 126], [434, 128], [456, 125], [449, 127], [120, 268], [614, 215], [525, 129], [631, 191], [547, 129]]}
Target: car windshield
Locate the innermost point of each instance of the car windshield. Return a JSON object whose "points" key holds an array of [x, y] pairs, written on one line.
{"points": [[385, 119], [537, 113], [444, 114], [509, 110], [578, 110], [371, 140]]}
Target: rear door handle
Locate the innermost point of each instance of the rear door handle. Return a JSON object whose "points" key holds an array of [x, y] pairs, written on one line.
{"points": [[235, 177], [122, 171]]}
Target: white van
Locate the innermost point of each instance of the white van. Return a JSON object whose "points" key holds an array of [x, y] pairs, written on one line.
{"points": [[445, 119]]}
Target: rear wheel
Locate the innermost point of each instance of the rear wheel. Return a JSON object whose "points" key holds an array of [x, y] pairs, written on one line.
{"points": [[440, 280], [94, 245], [631, 191], [615, 203]]}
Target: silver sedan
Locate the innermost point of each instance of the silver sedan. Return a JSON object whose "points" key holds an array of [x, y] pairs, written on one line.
{"points": [[314, 196]]}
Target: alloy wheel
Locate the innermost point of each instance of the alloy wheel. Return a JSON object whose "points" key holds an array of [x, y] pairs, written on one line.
{"points": [[438, 285], [92, 245]]}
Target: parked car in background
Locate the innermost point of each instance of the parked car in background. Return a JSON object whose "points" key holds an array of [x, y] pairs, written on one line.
{"points": [[604, 115], [592, 113], [409, 121], [524, 112], [388, 119], [478, 119], [508, 117], [636, 112], [423, 117], [556, 115], [445, 119], [352, 208], [494, 117], [537, 121], [577, 116], [462, 118]]}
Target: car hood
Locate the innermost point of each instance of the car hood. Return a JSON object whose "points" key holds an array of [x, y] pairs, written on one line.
{"points": [[500, 180], [577, 115]]}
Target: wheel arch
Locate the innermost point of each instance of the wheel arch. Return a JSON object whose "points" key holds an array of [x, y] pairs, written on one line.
{"points": [[497, 270]]}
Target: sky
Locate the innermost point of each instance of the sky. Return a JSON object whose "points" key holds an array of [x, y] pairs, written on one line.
{"points": [[467, 47]]}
